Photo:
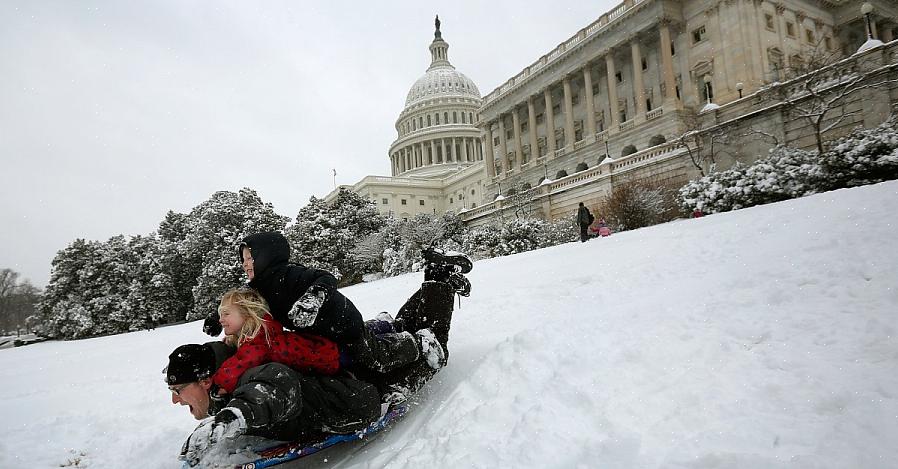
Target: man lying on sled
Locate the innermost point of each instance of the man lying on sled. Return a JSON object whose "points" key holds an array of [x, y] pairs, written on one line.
{"points": [[276, 402]]}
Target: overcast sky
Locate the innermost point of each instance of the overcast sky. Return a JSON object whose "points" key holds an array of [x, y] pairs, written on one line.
{"points": [[113, 113]]}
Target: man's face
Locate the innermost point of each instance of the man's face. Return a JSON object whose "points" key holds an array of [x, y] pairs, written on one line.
{"points": [[194, 395], [248, 263]]}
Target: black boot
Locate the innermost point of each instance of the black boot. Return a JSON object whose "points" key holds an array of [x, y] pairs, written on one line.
{"points": [[461, 284], [457, 261]]}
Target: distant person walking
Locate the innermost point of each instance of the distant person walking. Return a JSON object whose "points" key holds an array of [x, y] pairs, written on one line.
{"points": [[584, 219]]}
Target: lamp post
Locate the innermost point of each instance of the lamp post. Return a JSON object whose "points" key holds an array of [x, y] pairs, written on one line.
{"points": [[866, 9], [739, 89]]}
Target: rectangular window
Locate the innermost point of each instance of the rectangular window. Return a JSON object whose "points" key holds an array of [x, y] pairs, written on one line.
{"points": [[524, 126], [809, 36], [575, 99], [673, 48], [556, 108], [454, 117], [463, 118], [645, 64], [383, 201], [421, 202], [540, 118], [595, 89], [619, 76], [828, 42], [768, 21], [451, 200], [648, 104], [404, 202], [790, 29], [698, 35], [508, 134], [495, 141]]}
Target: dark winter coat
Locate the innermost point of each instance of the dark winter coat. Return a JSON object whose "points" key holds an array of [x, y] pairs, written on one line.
{"points": [[302, 352], [282, 404], [282, 283], [584, 218]]}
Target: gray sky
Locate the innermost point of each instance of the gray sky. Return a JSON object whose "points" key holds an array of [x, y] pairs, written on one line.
{"points": [[113, 113]]}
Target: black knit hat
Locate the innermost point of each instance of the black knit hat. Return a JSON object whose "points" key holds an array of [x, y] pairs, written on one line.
{"points": [[193, 362]]}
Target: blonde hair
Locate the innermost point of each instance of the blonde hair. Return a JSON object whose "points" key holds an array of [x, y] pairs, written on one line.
{"points": [[253, 308]]}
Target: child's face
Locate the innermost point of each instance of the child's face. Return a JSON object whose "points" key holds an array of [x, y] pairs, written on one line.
{"points": [[248, 263], [231, 318]]}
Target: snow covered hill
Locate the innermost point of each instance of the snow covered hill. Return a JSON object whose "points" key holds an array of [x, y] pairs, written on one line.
{"points": [[762, 338]]}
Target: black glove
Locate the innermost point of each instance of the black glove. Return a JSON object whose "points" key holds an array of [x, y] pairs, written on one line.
{"points": [[216, 401], [211, 325]]}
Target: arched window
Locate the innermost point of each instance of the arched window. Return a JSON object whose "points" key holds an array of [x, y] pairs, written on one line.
{"points": [[446, 117], [428, 120], [463, 118], [436, 118]]}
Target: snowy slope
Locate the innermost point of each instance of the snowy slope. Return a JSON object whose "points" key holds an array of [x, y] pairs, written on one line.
{"points": [[762, 338]]}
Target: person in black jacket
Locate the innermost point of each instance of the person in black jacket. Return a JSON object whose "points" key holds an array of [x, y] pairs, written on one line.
{"points": [[307, 300], [584, 219], [276, 402], [271, 401]]}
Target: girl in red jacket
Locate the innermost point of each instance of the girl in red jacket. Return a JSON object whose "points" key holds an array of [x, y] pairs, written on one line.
{"points": [[248, 324]]}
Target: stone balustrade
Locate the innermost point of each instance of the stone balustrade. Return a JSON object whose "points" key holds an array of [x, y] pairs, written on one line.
{"points": [[645, 157]]}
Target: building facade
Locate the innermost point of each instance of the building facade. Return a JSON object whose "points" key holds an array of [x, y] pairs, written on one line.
{"points": [[613, 102], [612, 98]]}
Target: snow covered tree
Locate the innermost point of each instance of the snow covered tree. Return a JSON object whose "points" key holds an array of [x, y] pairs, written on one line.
{"points": [[62, 311], [325, 236], [207, 240], [516, 236], [637, 204], [150, 299], [403, 240], [865, 156]]}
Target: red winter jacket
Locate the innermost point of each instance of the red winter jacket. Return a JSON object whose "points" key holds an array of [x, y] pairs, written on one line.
{"points": [[302, 352]]}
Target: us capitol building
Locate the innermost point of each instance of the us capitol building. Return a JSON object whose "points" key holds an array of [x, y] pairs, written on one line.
{"points": [[610, 103]]}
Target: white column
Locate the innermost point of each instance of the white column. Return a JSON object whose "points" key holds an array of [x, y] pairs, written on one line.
{"points": [[568, 113], [503, 147], [531, 129], [667, 72], [638, 87], [612, 90], [590, 103], [487, 148], [550, 124], [518, 148]]}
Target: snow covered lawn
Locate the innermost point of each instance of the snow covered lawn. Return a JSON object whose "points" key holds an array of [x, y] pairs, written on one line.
{"points": [[761, 338]]}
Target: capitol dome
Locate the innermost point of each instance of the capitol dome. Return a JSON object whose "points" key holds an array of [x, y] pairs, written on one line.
{"points": [[442, 80], [436, 131]]}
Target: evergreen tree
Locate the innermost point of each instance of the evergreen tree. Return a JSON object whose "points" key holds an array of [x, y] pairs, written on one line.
{"points": [[326, 236], [210, 235]]}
